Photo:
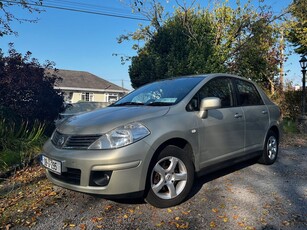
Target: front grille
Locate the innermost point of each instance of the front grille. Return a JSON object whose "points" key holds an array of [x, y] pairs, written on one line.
{"points": [[80, 142], [73, 142], [72, 176]]}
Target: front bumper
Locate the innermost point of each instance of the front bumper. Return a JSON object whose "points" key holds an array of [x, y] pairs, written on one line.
{"points": [[125, 168]]}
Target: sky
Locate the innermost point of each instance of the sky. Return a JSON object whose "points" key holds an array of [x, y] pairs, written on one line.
{"points": [[88, 42]]}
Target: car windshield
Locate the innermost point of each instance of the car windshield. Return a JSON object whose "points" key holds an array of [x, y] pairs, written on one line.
{"points": [[161, 93]]}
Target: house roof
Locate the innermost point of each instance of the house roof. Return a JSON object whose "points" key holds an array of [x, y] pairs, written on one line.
{"points": [[80, 80]]}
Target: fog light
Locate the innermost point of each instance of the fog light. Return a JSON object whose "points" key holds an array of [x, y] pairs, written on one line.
{"points": [[100, 178]]}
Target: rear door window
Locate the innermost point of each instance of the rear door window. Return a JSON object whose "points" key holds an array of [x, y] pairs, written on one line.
{"points": [[248, 95]]}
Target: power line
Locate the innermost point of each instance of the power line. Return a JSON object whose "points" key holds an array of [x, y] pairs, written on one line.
{"points": [[80, 10]]}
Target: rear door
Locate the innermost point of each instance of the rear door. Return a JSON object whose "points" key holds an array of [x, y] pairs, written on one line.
{"points": [[255, 112]]}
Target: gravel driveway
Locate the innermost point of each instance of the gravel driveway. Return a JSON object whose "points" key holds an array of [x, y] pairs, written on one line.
{"points": [[247, 196]]}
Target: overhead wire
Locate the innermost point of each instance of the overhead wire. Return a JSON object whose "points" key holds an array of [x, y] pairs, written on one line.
{"points": [[81, 8]]}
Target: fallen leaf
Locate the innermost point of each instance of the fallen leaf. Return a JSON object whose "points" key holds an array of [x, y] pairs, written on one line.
{"points": [[108, 207], [286, 223], [186, 213], [53, 193], [175, 223], [235, 217], [83, 226], [131, 211], [160, 224], [212, 224], [184, 226], [96, 219], [250, 228]]}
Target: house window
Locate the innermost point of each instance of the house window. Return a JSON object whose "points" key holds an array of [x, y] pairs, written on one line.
{"points": [[112, 97], [87, 97], [68, 97]]}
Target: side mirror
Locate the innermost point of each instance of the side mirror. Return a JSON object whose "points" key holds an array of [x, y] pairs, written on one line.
{"points": [[207, 104]]}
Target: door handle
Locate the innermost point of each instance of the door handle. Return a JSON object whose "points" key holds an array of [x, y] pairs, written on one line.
{"points": [[264, 112], [237, 115]]}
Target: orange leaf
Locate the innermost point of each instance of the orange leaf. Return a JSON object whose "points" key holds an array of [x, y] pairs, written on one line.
{"points": [[235, 217], [53, 193]]}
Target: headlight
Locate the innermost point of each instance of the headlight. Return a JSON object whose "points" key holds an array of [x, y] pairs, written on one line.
{"points": [[121, 136]]}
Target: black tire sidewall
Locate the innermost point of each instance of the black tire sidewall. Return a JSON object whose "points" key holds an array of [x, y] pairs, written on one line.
{"points": [[177, 152], [265, 158]]}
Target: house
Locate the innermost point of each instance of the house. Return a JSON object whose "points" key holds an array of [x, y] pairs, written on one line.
{"points": [[83, 86]]}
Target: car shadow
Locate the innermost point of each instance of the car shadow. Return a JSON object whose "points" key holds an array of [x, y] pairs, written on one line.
{"points": [[198, 183], [205, 178]]}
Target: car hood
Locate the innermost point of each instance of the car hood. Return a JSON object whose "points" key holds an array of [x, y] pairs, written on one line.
{"points": [[103, 120]]}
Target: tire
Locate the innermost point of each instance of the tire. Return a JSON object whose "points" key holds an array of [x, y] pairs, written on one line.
{"points": [[270, 151], [170, 178]]}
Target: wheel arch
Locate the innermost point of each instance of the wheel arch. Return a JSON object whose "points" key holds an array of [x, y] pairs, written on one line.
{"points": [[180, 143], [276, 130], [176, 141]]}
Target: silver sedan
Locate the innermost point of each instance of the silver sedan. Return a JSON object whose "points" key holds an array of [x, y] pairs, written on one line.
{"points": [[155, 141]]}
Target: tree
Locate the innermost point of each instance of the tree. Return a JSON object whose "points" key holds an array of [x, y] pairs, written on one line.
{"points": [[26, 90], [172, 51], [194, 40], [298, 26], [6, 17]]}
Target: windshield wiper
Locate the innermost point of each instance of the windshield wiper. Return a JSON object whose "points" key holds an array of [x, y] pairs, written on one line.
{"points": [[160, 103], [128, 103]]}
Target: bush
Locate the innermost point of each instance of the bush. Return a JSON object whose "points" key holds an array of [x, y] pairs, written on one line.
{"points": [[19, 145], [289, 126], [27, 89], [291, 104]]}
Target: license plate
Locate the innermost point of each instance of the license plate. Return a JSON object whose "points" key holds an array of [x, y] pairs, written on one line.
{"points": [[52, 165]]}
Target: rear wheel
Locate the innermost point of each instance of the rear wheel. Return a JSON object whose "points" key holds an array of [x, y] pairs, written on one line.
{"points": [[270, 150], [170, 178]]}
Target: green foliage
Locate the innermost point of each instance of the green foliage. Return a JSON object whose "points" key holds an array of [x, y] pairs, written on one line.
{"points": [[222, 39], [176, 49], [298, 26], [291, 104], [19, 144], [289, 126]]}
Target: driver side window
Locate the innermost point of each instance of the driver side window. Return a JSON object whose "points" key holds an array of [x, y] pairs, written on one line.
{"points": [[218, 87]]}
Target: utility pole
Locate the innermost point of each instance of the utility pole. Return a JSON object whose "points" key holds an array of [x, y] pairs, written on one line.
{"points": [[282, 57]]}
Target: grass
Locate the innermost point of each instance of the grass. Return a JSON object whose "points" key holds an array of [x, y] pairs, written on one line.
{"points": [[19, 145], [289, 126]]}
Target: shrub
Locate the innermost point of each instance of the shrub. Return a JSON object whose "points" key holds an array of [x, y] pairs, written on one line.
{"points": [[291, 104], [19, 145], [27, 90]]}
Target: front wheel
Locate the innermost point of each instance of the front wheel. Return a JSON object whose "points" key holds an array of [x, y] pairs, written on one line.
{"points": [[170, 178], [270, 150]]}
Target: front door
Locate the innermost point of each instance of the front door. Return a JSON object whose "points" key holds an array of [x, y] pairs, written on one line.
{"points": [[221, 134]]}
